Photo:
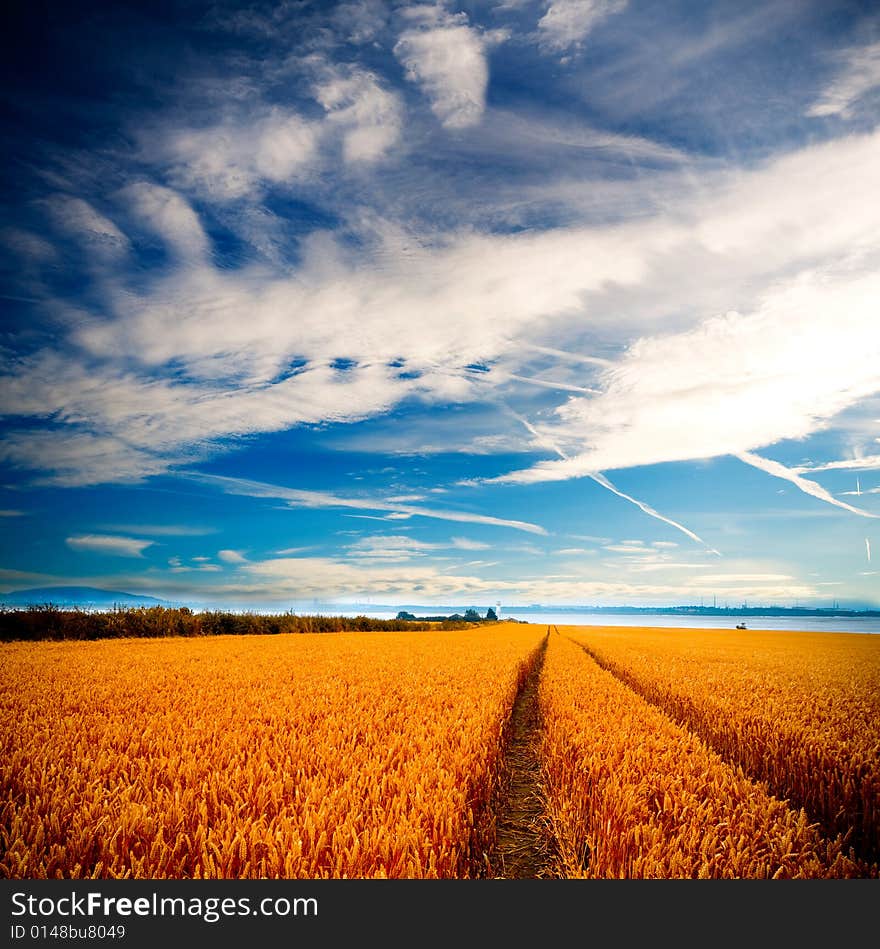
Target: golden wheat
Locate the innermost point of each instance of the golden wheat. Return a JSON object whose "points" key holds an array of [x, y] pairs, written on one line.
{"points": [[800, 711], [348, 755], [378, 754], [630, 794]]}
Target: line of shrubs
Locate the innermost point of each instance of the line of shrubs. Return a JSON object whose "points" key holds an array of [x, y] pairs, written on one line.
{"points": [[51, 622]]}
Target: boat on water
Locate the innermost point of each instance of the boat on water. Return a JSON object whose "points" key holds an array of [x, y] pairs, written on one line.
{"points": [[741, 626]]}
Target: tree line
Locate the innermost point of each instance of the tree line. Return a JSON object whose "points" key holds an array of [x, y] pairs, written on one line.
{"points": [[51, 622]]}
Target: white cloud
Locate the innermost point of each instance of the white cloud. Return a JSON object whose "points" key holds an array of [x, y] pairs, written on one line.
{"points": [[726, 578], [859, 75], [447, 59], [397, 547], [27, 244], [187, 568], [732, 385], [551, 138], [567, 23], [362, 20], [155, 419], [804, 484], [390, 548], [170, 216], [318, 576], [235, 158], [656, 566], [650, 511], [861, 463], [334, 309], [600, 478], [74, 457], [232, 556], [369, 117], [296, 497], [464, 543], [252, 348], [305, 577], [79, 219], [108, 544]]}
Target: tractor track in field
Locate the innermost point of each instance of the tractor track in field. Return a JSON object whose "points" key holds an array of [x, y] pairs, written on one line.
{"points": [[860, 851], [524, 846]]}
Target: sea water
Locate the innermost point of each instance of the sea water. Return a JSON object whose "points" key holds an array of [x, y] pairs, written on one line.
{"points": [[818, 624]]}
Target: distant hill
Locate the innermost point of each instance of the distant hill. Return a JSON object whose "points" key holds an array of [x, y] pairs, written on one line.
{"points": [[85, 597]]}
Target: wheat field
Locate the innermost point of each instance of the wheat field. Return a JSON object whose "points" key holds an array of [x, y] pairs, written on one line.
{"points": [[663, 753], [313, 756], [797, 710]]}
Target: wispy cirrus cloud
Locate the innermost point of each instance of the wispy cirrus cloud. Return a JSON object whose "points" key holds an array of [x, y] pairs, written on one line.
{"points": [[27, 245], [378, 223], [125, 416], [390, 548], [109, 544], [650, 412], [164, 530], [81, 220], [859, 75], [73, 457], [297, 497], [465, 543], [399, 547], [860, 463], [170, 216]]}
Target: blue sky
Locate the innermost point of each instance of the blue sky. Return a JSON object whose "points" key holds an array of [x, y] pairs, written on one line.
{"points": [[531, 301]]}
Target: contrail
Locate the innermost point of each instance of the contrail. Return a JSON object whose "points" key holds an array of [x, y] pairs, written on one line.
{"points": [[599, 478], [868, 549], [561, 354], [547, 384], [808, 487], [502, 375], [858, 488]]}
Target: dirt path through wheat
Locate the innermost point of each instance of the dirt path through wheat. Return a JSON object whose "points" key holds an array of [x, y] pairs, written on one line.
{"points": [[524, 847]]}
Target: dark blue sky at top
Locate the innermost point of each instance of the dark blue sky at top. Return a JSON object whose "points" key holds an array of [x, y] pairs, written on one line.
{"points": [[399, 300]]}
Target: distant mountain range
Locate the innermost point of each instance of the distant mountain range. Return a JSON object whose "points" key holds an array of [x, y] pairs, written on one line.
{"points": [[90, 597]]}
